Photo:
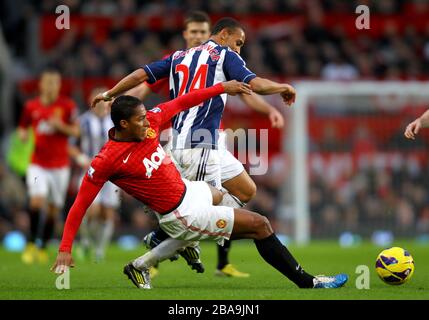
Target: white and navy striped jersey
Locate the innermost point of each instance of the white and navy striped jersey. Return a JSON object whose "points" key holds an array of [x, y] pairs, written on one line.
{"points": [[196, 68], [94, 132]]}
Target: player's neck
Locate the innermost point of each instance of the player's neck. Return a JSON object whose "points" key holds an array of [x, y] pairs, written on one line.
{"points": [[47, 100], [218, 40], [124, 137]]}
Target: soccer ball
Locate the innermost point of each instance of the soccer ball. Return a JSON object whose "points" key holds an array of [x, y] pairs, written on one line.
{"points": [[394, 266]]}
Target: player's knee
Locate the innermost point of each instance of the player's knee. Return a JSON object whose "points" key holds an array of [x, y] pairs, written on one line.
{"points": [[262, 226], [37, 203], [249, 193]]}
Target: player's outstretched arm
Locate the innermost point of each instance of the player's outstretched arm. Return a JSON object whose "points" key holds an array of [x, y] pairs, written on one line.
{"points": [[265, 87], [414, 127], [196, 97], [130, 81], [258, 104], [86, 195], [141, 91]]}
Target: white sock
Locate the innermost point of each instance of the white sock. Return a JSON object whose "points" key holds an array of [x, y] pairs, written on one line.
{"points": [[164, 250], [106, 232], [231, 201], [85, 237]]}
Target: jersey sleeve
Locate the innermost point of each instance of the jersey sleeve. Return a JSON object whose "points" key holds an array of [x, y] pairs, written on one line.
{"points": [[92, 183], [158, 70], [99, 171], [25, 119], [235, 68], [86, 195]]}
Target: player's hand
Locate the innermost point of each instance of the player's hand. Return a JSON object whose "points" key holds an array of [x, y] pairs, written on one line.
{"points": [[412, 129], [276, 119], [63, 262], [55, 122], [100, 97], [234, 87], [83, 161], [289, 95]]}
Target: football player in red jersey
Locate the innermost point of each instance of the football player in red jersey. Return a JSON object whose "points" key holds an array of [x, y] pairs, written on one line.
{"points": [[234, 177], [134, 160], [52, 119]]}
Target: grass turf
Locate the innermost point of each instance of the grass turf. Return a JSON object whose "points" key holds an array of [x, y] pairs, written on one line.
{"points": [[176, 281]]}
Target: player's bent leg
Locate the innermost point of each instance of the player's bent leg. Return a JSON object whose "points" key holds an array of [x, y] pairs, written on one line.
{"points": [[241, 186], [154, 238], [138, 271], [48, 231], [240, 190], [191, 253], [106, 227], [30, 253], [217, 195], [248, 224], [252, 225]]}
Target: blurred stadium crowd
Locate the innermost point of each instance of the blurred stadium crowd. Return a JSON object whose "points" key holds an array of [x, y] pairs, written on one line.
{"points": [[290, 39], [284, 37]]}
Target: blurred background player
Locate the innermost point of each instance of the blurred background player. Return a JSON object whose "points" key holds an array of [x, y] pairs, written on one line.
{"points": [[97, 228], [234, 178], [52, 118]]}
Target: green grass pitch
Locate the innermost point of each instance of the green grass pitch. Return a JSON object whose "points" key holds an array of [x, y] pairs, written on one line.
{"points": [[176, 281]]}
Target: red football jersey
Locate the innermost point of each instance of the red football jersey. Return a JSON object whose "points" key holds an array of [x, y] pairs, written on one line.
{"points": [[50, 150], [142, 169]]}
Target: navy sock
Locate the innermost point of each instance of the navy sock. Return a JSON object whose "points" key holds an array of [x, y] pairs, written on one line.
{"points": [[34, 224], [222, 254], [48, 231], [277, 255]]}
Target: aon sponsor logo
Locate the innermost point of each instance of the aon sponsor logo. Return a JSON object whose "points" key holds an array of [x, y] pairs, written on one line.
{"points": [[155, 161], [45, 128]]}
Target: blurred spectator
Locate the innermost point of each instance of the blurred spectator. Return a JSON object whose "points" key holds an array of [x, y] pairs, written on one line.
{"points": [[315, 49], [12, 202], [338, 69]]}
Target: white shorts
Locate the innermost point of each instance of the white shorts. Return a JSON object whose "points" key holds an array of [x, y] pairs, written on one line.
{"points": [[48, 183], [213, 166], [108, 195], [197, 218], [230, 167]]}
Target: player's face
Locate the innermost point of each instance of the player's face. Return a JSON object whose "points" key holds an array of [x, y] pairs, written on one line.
{"points": [[138, 123], [50, 84], [196, 33], [235, 40]]}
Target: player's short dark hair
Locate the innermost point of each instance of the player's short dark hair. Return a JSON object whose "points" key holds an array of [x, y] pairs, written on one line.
{"points": [[123, 108], [196, 16], [50, 70], [226, 23]]}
